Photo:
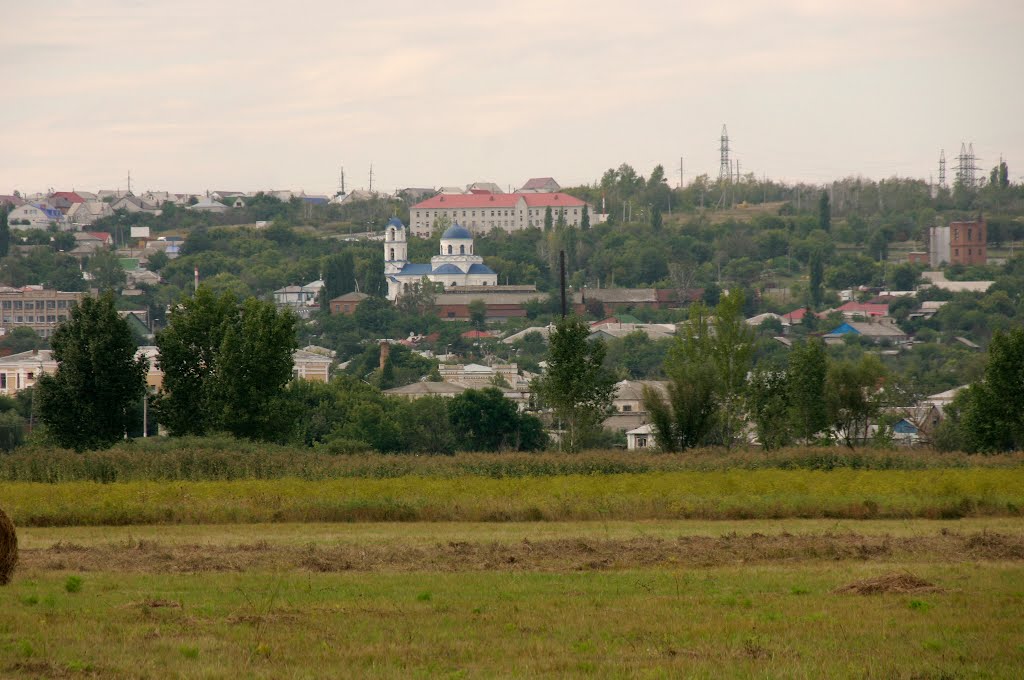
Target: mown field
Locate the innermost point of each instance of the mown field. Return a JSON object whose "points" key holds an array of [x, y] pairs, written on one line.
{"points": [[518, 600], [211, 562]]}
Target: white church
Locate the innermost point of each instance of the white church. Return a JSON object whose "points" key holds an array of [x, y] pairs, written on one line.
{"points": [[455, 265]]}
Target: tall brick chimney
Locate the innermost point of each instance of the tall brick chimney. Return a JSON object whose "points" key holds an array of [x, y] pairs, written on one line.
{"points": [[385, 351]]}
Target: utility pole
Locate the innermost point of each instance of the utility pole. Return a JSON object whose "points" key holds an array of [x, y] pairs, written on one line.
{"points": [[561, 268], [680, 173]]}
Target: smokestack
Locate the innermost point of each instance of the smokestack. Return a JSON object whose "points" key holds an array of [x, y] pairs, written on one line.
{"points": [[197, 279], [385, 352]]}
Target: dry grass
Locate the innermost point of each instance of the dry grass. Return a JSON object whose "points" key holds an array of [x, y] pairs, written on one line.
{"points": [[900, 584], [527, 554], [8, 548]]}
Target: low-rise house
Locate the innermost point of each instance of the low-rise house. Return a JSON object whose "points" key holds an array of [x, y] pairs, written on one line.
{"points": [[876, 332], [654, 331], [867, 310], [641, 438], [543, 331], [22, 370], [426, 389], [477, 376], [35, 216], [63, 200], [312, 363], [540, 185], [501, 302], [134, 204], [628, 403], [209, 205], [85, 213], [347, 303], [13, 201], [927, 310], [297, 296]]}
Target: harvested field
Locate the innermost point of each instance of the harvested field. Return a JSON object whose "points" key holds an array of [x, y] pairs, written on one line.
{"points": [[570, 554]]}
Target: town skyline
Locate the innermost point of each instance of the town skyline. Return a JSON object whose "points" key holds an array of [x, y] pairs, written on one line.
{"points": [[191, 97]]}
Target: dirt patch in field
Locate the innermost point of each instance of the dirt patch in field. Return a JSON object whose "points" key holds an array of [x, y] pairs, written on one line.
{"points": [[901, 584], [575, 554]]}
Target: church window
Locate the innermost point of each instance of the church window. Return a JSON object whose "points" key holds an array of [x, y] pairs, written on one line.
{"points": [[462, 250], [392, 254], [449, 249], [970, 234]]}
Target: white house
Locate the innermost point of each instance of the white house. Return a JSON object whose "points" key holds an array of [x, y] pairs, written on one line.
{"points": [[209, 205], [641, 438], [35, 216], [455, 265]]}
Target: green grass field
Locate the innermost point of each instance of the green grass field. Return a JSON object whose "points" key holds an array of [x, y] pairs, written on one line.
{"points": [[441, 600], [269, 564], [728, 494]]}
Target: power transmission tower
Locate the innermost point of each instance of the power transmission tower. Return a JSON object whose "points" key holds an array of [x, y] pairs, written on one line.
{"points": [[942, 168], [725, 167], [371, 178], [341, 181]]}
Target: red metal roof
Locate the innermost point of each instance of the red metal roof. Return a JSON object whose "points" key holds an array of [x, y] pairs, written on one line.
{"points": [[461, 201], [71, 196], [864, 308], [796, 314], [477, 334]]}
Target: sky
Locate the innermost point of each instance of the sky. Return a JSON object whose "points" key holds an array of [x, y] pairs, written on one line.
{"points": [[196, 95]]}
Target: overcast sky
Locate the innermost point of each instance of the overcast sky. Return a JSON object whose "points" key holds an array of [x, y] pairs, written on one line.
{"points": [[191, 95]]}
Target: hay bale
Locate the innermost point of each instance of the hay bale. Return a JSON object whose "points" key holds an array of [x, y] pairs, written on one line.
{"points": [[8, 548], [903, 584]]}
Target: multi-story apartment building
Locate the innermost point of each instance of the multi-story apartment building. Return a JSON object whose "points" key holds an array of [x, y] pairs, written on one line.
{"points": [[35, 307], [481, 212]]}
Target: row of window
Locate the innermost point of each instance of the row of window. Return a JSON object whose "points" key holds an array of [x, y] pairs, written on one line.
{"points": [[35, 304], [32, 318], [505, 213]]}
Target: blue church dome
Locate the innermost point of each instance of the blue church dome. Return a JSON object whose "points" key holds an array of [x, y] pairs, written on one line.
{"points": [[395, 222], [456, 231], [447, 269]]}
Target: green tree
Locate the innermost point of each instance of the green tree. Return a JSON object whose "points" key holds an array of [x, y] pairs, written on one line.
{"points": [[656, 219], [806, 378], [477, 313], [339, 278], [824, 213], [854, 396], [254, 363], [106, 270], [992, 411], [549, 220], [486, 421], [158, 261], [189, 357], [769, 401], [731, 352], [584, 219], [5, 230], [686, 416], [816, 286], [576, 385], [86, 404]]}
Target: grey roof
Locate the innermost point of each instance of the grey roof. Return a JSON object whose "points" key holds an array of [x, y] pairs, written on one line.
{"points": [[426, 388], [480, 269], [354, 296], [622, 295], [456, 231], [448, 269]]}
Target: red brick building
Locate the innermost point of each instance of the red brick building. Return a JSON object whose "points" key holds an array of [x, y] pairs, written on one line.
{"points": [[968, 242]]}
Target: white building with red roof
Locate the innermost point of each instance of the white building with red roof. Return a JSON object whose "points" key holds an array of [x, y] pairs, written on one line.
{"points": [[481, 212]]}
